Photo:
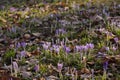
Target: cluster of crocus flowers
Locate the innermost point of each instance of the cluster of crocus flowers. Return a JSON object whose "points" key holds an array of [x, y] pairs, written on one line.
{"points": [[86, 47], [81, 48], [90, 46], [113, 48], [109, 35], [60, 31], [56, 48], [45, 46], [21, 44], [67, 49]]}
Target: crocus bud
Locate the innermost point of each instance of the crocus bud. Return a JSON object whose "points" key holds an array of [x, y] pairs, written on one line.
{"points": [[15, 68], [105, 65], [23, 44], [60, 66], [15, 65], [22, 54], [36, 68]]}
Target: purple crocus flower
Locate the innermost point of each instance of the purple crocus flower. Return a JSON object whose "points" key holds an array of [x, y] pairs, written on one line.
{"points": [[15, 66], [23, 44], [77, 48], [13, 9], [107, 48], [105, 65], [67, 49], [116, 39], [45, 46], [57, 32], [51, 49], [56, 48], [110, 34], [18, 45], [36, 68], [22, 53], [48, 43], [60, 66], [90, 45], [85, 48], [60, 31], [80, 48], [100, 55], [13, 29], [114, 48], [2, 7]]}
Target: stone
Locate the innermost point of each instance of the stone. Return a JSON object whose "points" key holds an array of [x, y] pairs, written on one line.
{"points": [[36, 34], [27, 36]]}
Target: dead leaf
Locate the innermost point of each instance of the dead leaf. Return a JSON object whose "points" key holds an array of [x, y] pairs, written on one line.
{"points": [[42, 78], [85, 70], [2, 19], [6, 77], [35, 52], [91, 63]]}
